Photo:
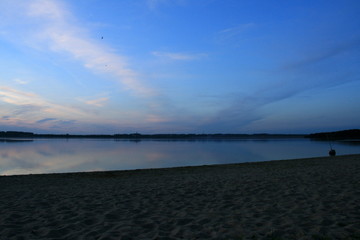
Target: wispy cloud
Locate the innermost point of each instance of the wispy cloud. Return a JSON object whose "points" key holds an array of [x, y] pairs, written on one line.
{"points": [[54, 28], [322, 55], [155, 4], [98, 102], [152, 118], [237, 31], [152, 4], [49, 26], [45, 120], [20, 81], [179, 56], [30, 106], [245, 110], [54, 123], [287, 81], [16, 97], [31, 111]]}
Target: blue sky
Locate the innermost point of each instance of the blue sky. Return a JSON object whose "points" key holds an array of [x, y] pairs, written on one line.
{"points": [[179, 66]]}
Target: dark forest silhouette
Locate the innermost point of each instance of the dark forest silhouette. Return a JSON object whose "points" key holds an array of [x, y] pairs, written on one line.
{"points": [[338, 135], [15, 134]]}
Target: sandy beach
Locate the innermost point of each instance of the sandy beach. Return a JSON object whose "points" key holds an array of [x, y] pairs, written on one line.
{"points": [[317, 198]]}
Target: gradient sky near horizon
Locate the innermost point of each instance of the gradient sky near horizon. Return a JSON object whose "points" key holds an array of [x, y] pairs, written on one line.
{"points": [[179, 66]]}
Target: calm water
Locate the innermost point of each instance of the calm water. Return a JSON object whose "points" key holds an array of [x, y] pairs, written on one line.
{"points": [[73, 155]]}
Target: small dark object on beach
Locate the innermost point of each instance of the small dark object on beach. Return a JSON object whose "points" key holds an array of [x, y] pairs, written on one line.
{"points": [[332, 152]]}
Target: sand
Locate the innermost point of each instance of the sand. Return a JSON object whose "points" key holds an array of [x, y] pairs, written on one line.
{"points": [[315, 198]]}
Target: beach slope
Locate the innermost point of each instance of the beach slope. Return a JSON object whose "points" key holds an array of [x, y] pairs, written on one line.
{"points": [[317, 198]]}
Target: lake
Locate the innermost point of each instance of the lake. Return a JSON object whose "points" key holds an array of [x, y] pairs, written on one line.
{"points": [[74, 155]]}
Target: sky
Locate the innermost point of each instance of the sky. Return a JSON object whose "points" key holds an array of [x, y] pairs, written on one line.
{"points": [[179, 66]]}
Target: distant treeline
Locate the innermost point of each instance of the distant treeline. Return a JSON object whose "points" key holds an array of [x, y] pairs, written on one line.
{"points": [[11, 134], [205, 136], [338, 135], [14, 134]]}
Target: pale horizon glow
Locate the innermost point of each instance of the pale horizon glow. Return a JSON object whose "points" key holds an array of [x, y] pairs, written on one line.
{"points": [[179, 66]]}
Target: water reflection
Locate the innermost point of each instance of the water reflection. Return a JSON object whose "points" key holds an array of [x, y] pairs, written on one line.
{"points": [[61, 155]]}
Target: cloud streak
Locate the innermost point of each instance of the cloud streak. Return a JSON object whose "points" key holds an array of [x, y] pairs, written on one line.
{"points": [[20, 81], [31, 107], [178, 56], [287, 82], [31, 111], [98, 102], [155, 4], [231, 33], [45, 120], [55, 28], [245, 110], [324, 55], [52, 26]]}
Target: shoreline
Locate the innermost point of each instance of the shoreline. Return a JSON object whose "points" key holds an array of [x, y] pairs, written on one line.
{"points": [[311, 198], [182, 167]]}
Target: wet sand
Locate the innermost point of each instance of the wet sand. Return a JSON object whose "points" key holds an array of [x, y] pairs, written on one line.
{"points": [[317, 198]]}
